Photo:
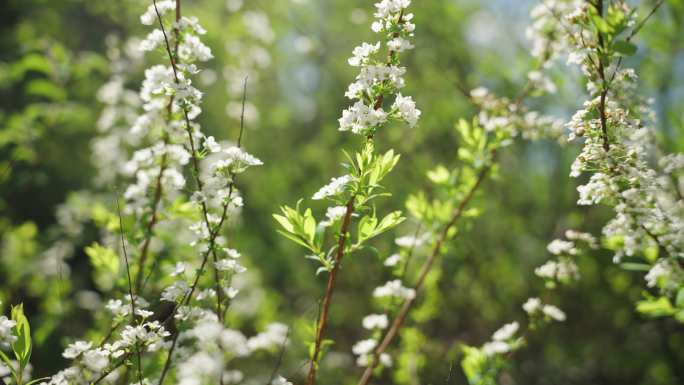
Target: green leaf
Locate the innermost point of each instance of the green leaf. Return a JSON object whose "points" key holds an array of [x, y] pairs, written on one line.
{"points": [[295, 239], [366, 227], [473, 363], [105, 262], [631, 266], [390, 220], [22, 331], [46, 89], [284, 222], [624, 48], [601, 24], [655, 307], [440, 175], [37, 380], [679, 301], [309, 226], [679, 316]]}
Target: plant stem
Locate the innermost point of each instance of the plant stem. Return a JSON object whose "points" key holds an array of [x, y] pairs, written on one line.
{"points": [[427, 266], [346, 222], [329, 290], [130, 288]]}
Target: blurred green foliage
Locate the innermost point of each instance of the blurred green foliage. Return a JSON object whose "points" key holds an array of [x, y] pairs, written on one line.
{"points": [[52, 61]]}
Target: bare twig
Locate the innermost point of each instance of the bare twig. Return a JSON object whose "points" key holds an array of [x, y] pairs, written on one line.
{"points": [[274, 372], [130, 286]]}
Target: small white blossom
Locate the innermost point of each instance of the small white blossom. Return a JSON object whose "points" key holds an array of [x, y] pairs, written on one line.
{"points": [[393, 260], [532, 305], [553, 312], [496, 347], [394, 289], [335, 187], [375, 321], [174, 292], [506, 332], [76, 349], [150, 15], [407, 110]]}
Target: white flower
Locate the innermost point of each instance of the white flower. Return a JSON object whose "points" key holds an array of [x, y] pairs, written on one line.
{"points": [[495, 347], [393, 260], [179, 269], [280, 380], [207, 330], [506, 332], [96, 359], [192, 48], [333, 214], [394, 289], [233, 376], [532, 305], [6, 326], [174, 292], [153, 40], [375, 321], [229, 264], [362, 52], [335, 187], [399, 44], [274, 336], [407, 110], [587, 238], [386, 8], [361, 117], [562, 270], [211, 144], [409, 241], [232, 253], [237, 160], [235, 342], [553, 312], [662, 271], [559, 246], [364, 346], [150, 15], [75, 349]]}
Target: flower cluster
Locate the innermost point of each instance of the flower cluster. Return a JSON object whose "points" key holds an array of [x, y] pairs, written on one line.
{"points": [[379, 80], [563, 269], [485, 362], [166, 140], [616, 127], [388, 296], [379, 75]]}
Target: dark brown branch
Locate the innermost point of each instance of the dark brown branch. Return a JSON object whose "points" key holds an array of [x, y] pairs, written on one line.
{"points": [[329, 290]]}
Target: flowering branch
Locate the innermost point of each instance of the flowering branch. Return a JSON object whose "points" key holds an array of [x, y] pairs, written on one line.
{"points": [[377, 80]]}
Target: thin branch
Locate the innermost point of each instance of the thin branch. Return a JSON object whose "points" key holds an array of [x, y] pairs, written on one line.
{"points": [[633, 33], [339, 255], [274, 372], [329, 290], [427, 266], [130, 286]]}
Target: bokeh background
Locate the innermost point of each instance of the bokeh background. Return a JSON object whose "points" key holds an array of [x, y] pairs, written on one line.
{"points": [[55, 56]]}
